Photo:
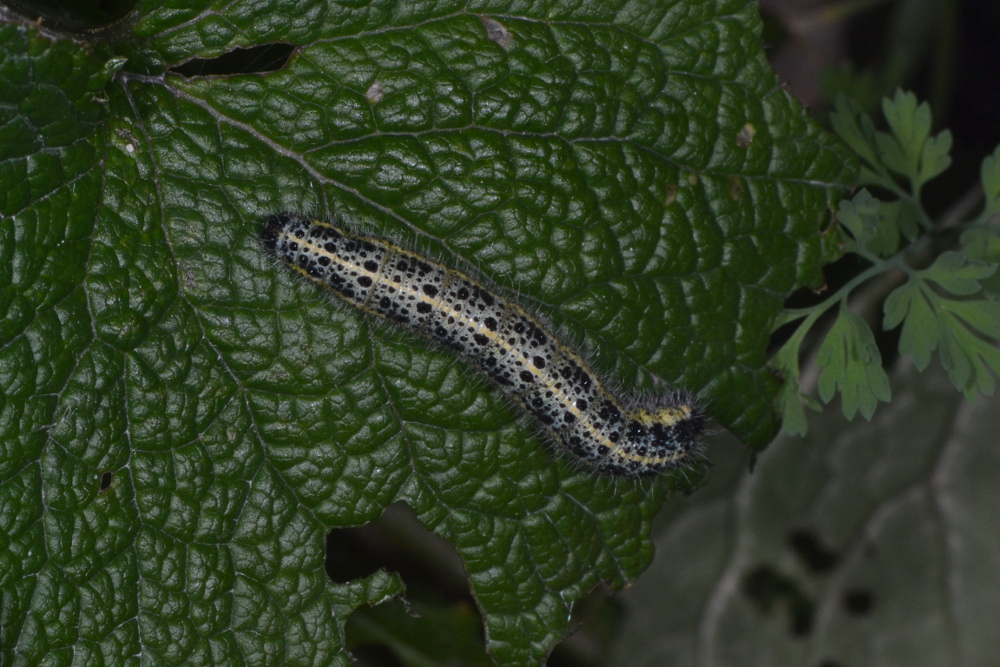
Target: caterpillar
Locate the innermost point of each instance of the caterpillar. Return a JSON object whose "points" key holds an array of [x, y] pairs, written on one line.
{"points": [[627, 436]]}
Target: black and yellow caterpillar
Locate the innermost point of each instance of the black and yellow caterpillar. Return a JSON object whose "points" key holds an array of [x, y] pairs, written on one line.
{"points": [[618, 436]]}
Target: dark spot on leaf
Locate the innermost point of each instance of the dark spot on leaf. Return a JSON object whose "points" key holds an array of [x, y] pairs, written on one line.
{"points": [[859, 601], [773, 592], [263, 58], [735, 187], [671, 195], [816, 556]]}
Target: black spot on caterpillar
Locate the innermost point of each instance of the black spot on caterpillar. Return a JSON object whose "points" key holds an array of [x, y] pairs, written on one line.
{"points": [[618, 436]]}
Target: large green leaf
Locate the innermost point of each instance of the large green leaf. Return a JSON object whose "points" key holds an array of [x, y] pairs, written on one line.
{"points": [[182, 420]]}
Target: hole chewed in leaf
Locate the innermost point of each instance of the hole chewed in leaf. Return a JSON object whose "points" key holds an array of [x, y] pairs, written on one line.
{"points": [[396, 542], [251, 60], [438, 611], [107, 479]]}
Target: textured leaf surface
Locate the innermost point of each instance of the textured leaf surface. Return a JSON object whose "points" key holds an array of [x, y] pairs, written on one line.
{"points": [[866, 544], [181, 420]]}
